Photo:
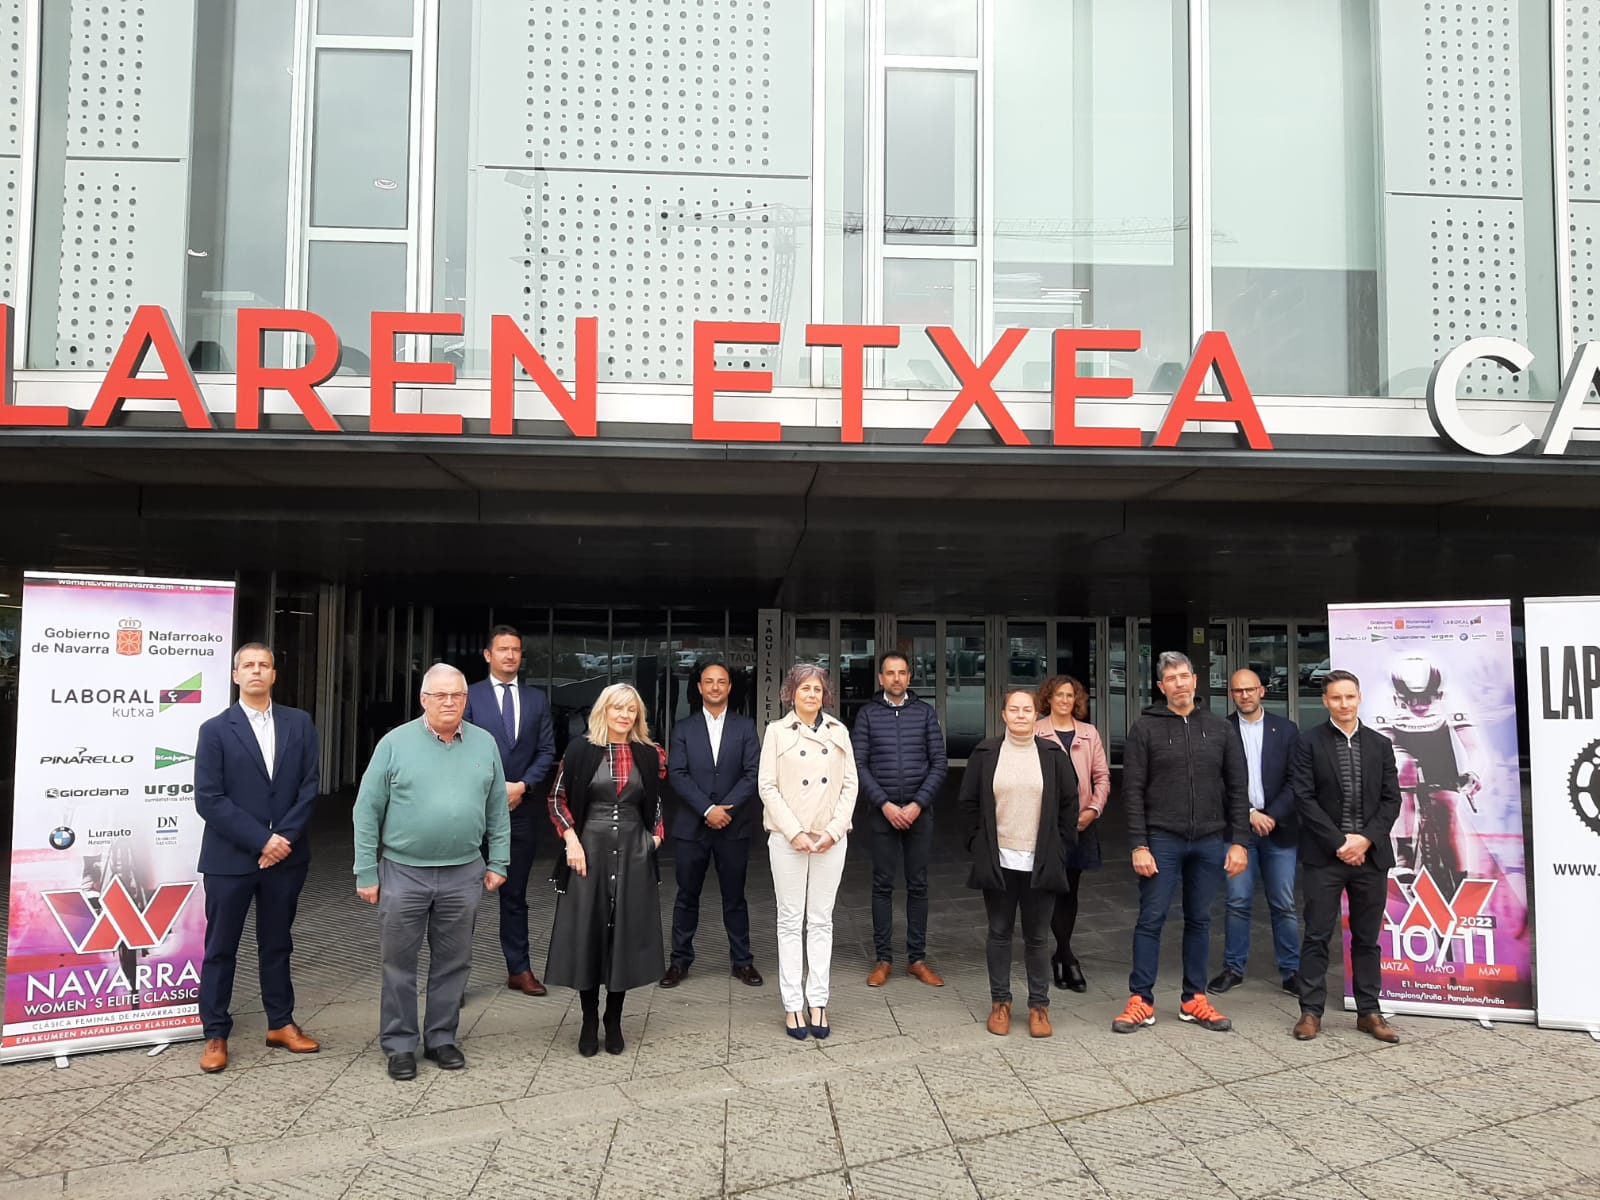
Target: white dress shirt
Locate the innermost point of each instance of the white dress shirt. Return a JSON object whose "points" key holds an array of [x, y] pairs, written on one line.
{"points": [[1252, 734], [261, 724], [714, 732], [516, 704]]}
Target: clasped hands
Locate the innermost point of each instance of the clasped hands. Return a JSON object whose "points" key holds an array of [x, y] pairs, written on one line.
{"points": [[274, 852], [1354, 851], [813, 843], [901, 816]]}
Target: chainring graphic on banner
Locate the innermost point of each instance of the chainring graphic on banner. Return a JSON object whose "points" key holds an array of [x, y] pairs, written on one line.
{"points": [[1583, 786]]}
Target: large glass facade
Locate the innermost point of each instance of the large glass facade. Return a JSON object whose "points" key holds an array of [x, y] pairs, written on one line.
{"points": [[1373, 183]]}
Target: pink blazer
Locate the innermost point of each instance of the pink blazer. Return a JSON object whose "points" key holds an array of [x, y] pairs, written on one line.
{"points": [[1088, 755]]}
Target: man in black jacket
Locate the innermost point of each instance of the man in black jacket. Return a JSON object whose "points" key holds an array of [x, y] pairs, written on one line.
{"points": [[900, 762], [1347, 792], [1185, 788]]}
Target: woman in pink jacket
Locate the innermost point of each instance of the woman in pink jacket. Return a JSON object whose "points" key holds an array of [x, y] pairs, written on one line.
{"points": [[1063, 704]]}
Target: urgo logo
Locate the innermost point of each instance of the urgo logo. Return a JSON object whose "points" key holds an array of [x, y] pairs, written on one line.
{"points": [[120, 922]]}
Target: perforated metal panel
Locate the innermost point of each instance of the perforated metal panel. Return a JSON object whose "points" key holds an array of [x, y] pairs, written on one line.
{"points": [[11, 92], [123, 248], [1583, 163], [10, 217], [1585, 274], [130, 79]]}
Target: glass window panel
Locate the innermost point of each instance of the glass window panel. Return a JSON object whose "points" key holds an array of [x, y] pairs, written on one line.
{"points": [[741, 655], [1091, 210], [696, 638], [361, 139], [1311, 658], [917, 640], [936, 27], [373, 18], [640, 655], [1214, 687], [1413, 225], [581, 654], [858, 666], [966, 669], [918, 292], [534, 626], [348, 282], [844, 231], [930, 180], [1117, 684], [1026, 654], [1268, 657], [1076, 654]]}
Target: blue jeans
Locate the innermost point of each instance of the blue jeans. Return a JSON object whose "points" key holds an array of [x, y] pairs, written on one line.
{"points": [[1274, 866], [1196, 867]]}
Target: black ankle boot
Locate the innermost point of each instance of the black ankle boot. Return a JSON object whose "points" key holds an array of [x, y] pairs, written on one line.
{"points": [[614, 1042], [589, 1031]]}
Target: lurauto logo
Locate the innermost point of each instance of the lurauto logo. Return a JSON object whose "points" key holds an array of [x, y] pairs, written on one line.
{"points": [[120, 922]]}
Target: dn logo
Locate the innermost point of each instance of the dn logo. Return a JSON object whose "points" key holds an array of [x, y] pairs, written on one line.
{"points": [[166, 823], [119, 922]]}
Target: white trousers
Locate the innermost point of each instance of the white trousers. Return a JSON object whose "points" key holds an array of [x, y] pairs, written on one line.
{"points": [[805, 886]]}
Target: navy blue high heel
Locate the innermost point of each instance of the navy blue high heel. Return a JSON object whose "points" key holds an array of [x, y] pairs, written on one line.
{"points": [[819, 1029], [797, 1032]]}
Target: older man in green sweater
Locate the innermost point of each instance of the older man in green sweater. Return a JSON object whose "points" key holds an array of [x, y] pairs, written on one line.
{"points": [[433, 789]]}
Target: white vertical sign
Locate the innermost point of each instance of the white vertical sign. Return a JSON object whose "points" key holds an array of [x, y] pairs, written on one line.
{"points": [[1563, 669]]}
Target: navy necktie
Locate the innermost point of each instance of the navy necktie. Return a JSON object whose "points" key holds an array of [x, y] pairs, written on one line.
{"points": [[508, 711]]}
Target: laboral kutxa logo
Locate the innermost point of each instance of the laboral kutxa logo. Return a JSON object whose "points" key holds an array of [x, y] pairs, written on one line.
{"points": [[118, 921], [131, 702], [187, 692], [171, 758]]}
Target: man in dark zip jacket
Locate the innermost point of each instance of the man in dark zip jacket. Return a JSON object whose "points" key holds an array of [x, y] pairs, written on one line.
{"points": [[900, 762], [1186, 790]]}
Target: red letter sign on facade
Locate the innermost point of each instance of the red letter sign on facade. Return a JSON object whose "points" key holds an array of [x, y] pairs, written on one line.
{"points": [[387, 372], [47, 415], [977, 386], [299, 383], [707, 379], [509, 347], [852, 341], [150, 329], [1070, 387], [1214, 351]]}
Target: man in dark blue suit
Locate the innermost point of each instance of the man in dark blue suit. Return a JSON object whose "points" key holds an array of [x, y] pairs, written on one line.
{"points": [[711, 762], [1269, 745], [519, 718], [256, 774]]}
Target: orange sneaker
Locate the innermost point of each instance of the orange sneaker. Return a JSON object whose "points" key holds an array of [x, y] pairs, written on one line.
{"points": [[1199, 1011], [1137, 1015]]}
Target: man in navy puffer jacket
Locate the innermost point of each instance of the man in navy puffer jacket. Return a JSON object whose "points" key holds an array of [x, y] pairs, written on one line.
{"points": [[900, 761]]}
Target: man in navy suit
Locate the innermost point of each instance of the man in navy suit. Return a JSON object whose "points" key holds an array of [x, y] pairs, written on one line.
{"points": [[711, 761], [1269, 745], [256, 773], [519, 718]]}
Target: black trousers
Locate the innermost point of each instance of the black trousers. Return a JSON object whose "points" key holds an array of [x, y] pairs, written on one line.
{"points": [[1036, 908], [1065, 918], [890, 848], [1368, 889], [692, 857], [514, 891], [276, 895]]}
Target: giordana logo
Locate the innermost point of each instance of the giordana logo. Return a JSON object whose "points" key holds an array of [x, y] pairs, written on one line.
{"points": [[83, 793], [187, 692], [1583, 786], [81, 757], [61, 838], [118, 921], [171, 758], [130, 636]]}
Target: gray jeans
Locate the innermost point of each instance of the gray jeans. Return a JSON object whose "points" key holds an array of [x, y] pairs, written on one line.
{"points": [[438, 903]]}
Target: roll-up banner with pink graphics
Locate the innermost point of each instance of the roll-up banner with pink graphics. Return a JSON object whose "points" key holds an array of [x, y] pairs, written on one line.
{"points": [[107, 917], [1438, 680]]}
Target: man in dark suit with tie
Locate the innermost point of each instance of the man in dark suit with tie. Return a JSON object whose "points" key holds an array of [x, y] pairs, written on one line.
{"points": [[1269, 741], [1347, 793], [519, 718], [256, 773], [711, 762]]}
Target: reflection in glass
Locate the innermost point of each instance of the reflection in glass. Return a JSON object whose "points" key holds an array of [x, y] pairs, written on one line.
{"points": [[1269, 659], [1311, 658], [1117, 686], [930, 177], [1026, 660], [917, 640], [918, 292], [1213, 689], [371, 18], [361, 139], [696, 638], [1076, 656], [858, 666], [946, 28], [966, 669], [639, 655], [844, 115], [580, 658], [1091, 183], [348, 282]]}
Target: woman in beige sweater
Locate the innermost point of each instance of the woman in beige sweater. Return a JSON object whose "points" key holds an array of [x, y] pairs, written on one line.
{"points": [[808, 790], [1019, 797]]}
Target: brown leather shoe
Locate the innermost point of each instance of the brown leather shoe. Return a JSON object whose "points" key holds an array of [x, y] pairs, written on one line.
{"points": [[525, 982], [1307, 1027], [215, 1056], [291, 1039], [1374, 1024], [879, 975], [921, 970], [1000, 1018], [1039, 1022]]}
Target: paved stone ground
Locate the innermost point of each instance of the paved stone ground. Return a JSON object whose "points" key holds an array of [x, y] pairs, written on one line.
{"points": [[911, 1097]]}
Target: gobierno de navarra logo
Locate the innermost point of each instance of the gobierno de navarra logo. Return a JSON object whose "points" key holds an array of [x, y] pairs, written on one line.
{"points": [[1583, 786]]}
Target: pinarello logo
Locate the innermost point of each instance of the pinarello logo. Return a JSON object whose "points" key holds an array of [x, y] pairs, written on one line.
{"points": [[1583, 786], [1447, 918], [120, 922], [130, 636]]}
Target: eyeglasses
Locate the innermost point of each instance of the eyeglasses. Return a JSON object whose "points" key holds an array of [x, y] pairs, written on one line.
{"points": [[447, 697]]}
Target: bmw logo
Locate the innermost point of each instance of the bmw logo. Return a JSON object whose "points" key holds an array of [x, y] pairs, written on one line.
{"points": [[61, 838]]}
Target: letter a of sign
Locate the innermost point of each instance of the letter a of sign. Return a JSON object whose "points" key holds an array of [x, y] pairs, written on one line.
{"points": [[150, 329], [977, 386], [1214, 352]]}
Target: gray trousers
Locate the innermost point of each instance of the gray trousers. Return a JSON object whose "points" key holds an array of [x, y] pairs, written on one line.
{"points": [[439, 903]]}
